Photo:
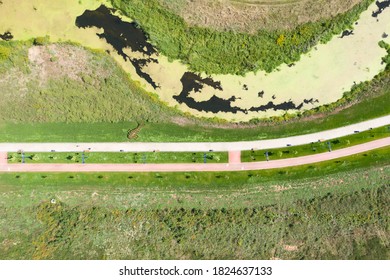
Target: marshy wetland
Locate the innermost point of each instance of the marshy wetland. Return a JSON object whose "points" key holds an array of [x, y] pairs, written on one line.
{"points": [[320, 77]]}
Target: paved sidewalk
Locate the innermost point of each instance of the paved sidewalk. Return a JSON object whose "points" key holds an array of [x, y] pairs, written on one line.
{"points": [[198, 146], [196, 167], [234, 157], [3, 158]]}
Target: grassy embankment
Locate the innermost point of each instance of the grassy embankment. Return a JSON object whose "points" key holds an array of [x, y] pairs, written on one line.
{"points": [[95, 90], [340, 210], [104, 108]]}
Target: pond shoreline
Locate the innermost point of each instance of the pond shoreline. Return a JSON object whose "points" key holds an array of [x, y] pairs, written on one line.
{"points": [[332, 68]]}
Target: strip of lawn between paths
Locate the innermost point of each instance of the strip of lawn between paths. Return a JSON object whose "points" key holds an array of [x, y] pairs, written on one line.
{"points": [[323, 146], [120, 157]]}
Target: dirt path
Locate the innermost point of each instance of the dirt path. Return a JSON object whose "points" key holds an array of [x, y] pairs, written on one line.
{"points": [[196, 167]]}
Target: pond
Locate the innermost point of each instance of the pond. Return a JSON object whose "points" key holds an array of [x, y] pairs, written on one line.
{"points": [[320, 77]]}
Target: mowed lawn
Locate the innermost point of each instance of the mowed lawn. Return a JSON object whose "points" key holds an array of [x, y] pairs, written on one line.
{"points": [[65, 132], [120, 157], [324, 146]]}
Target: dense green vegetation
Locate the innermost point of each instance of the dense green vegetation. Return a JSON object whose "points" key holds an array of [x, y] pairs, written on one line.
{"points": [[210, 51], [13, 54], [349, 226], [244, 215]]}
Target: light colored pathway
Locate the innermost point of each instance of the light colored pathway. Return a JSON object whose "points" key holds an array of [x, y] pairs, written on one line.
{"points": [[198, 146], [196, 167]]}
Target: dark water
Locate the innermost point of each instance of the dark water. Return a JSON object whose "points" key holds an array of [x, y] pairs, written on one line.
{"points": [[282, 106], [288, 105], [381, 7], [310, 101], [120, 35], [6, 36], [193, 82], [346, 33], [260, 94]]}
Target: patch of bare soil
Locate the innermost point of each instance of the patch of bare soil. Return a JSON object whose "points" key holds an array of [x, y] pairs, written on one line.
{"points": [[51, 62], [250, 17], [58, 61], [290, 248], [278, 188]]}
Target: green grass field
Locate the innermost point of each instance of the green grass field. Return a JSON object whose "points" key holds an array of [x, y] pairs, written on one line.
{"points": [[335, 210], [331, 226]]}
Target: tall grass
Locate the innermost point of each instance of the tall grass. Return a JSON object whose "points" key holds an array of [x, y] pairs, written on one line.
{"points": [[332, 226], [93, 97]]}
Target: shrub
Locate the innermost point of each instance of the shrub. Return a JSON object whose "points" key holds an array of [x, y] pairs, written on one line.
{"points": [[41, 41], [5, 52]]}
